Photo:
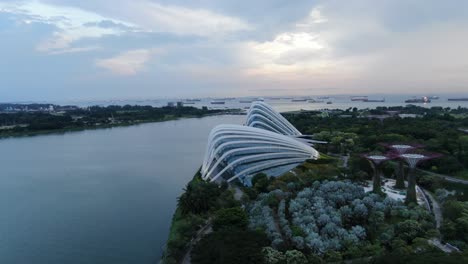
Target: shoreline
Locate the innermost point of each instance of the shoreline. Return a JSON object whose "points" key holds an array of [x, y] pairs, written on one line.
{"points": [[104, 126]]}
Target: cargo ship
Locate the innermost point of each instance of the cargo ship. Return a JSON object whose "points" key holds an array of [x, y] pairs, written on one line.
{"points": [[374, 100], [366, 99], [298, 100], [421, 100], [359, 98], [315, 101], [218, 102], [458, 99]]}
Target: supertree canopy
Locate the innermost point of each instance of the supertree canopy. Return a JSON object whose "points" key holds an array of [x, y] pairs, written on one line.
{"points": [[413, 159], [376, 161], [401, 148]]}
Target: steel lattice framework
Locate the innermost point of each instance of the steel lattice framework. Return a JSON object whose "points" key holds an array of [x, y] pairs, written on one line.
{"points": [[244, 151], [413, 159]]}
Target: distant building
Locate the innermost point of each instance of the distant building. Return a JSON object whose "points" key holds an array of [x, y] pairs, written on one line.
{"points": [[170, 104], [408, 115], [180, 104]]}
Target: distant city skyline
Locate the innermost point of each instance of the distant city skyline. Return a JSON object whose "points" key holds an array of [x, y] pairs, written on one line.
{"points": [[103, 49]]}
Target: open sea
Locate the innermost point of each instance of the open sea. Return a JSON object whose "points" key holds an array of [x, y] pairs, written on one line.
{"points": [[284, 104]]}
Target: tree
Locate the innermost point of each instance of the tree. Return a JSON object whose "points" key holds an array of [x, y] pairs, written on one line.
{"points": [[260, 182], [408, 230], [199, 197], [295, 257], [273, 256], [230, 247], [230, 218]]}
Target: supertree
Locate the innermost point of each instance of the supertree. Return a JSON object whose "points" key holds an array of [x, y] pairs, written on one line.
{"points": [[413, 159], [399, 149], [376, 161]]}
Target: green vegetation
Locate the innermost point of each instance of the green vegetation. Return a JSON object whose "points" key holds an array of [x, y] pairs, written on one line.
{"points": [[230, 247], [196, 208], [436, 128], [336, 220], [31, 123], [319, 213]]}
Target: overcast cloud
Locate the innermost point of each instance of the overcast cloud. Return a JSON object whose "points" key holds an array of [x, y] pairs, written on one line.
{"points": [[107, 49]]}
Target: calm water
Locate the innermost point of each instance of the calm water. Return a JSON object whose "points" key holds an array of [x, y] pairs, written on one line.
{"points": [[283, 104], [96, 196]]}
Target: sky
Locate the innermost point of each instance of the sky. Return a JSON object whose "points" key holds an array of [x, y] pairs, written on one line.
{"points": [[141, 49]]}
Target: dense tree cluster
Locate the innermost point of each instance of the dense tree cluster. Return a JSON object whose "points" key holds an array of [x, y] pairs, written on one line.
{"points": [[455, 226], [437, 128], [262, 215], [195, 205], [336, 216], [230, 247], [230, 242]]}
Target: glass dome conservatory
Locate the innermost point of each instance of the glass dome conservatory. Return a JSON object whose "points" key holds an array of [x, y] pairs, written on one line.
{"points": [[239, 152]]}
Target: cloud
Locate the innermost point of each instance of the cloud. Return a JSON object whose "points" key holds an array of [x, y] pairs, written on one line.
{"points": [[180, 20], [72, 24], [220, 47], [128, 63]]}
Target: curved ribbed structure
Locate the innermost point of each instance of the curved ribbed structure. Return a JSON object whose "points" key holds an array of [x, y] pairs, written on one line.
{"points": [[239, 152], [261, 115]]}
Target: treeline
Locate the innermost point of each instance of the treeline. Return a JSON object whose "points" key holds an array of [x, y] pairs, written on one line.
{"points": [[80, 118], [361, 131]]}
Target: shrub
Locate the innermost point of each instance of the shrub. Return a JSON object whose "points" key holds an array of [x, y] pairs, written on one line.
{"points": [[230, 218]]}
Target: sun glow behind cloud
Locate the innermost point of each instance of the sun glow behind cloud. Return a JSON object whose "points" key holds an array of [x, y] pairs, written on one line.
{"points": [[298, 55], [207, 47]]}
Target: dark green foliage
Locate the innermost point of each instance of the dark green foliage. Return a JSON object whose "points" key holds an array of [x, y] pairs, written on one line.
{"points": [[195, 206], [230, 218], [230, 246], [437, 128], [182, 230], [408, 230], [455, 226], [432, 257], [74, 118], [199, 197], [260, 182]]}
